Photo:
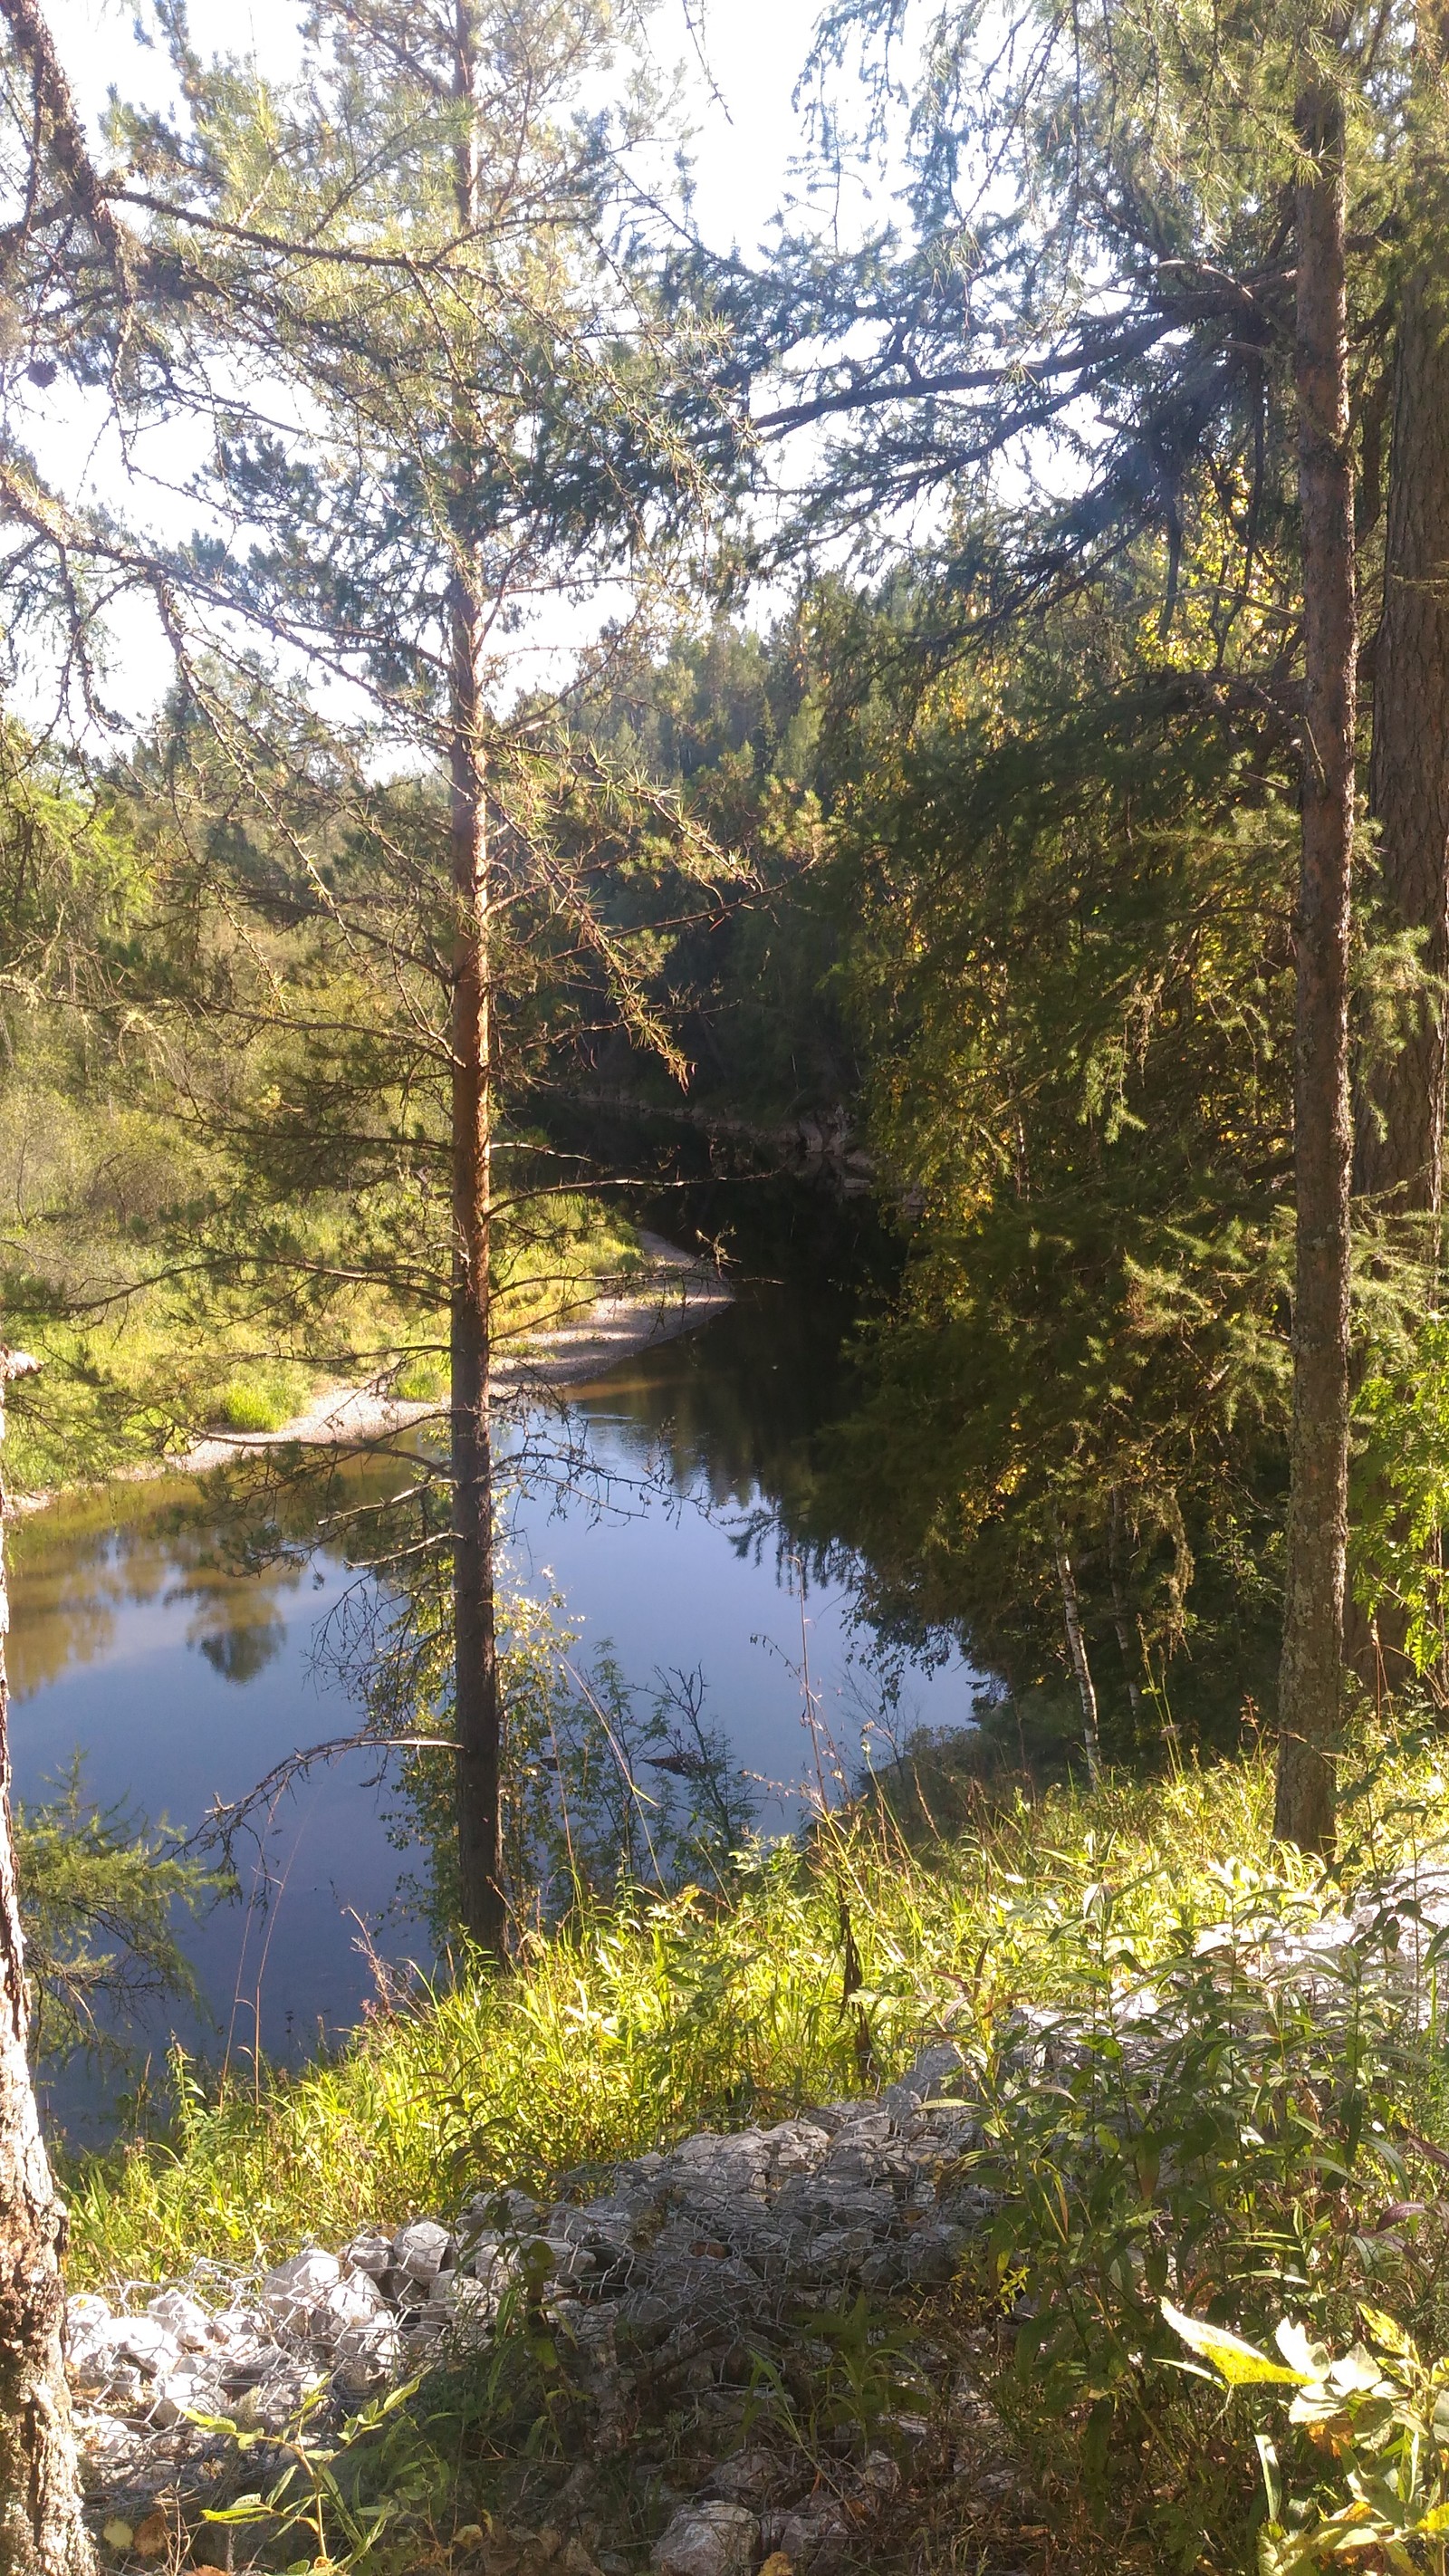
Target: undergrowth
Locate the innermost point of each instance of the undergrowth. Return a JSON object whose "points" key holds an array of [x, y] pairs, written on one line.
{"points": [[639, 2022], [1243, 2151]]}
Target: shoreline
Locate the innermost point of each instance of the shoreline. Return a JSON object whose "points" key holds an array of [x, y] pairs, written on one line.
{"points": [[677, 1295]]}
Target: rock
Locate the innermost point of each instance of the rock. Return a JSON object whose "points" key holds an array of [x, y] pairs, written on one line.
{"points": [[469, 2307], [84, 2309], [111, 2451], [511, 2213], [482, 2259], [747, 2477], [249, 2360], [936, 2070], [423, 2250], [707, 2540], [193, 2388], [796, 2147], [879, 2476], [353, 2302], [367, 2354], [275, 2402], [235, 2325], [815, 2538], [370, 2253], [91, 2334], [125, 2389], [567, 2261], [298, 2290], [184, 2318], [145, 2341]]}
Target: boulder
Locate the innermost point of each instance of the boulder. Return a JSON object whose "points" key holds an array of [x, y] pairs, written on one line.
{"points": [[708, 2540], [146, 2342], [814, 2539], [366, 2354], [298, 2290], [353, 2302], [183, 2317], [423, 2250], [370, 2253]]}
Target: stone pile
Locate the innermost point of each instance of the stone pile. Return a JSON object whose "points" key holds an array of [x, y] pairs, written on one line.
{"points": [[672, 2281]]}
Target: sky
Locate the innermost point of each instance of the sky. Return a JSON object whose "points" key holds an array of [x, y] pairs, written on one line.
{"points": [[740, 59]]}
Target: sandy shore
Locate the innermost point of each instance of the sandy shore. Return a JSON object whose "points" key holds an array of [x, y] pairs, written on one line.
{"points": [[676, 1294]]}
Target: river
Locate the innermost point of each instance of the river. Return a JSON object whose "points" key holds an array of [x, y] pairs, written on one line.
{"points": [[145, 1642]]}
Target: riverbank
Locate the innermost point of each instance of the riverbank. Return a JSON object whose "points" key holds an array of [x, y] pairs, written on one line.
{"points": [[706, 2267], [671, 1292]]}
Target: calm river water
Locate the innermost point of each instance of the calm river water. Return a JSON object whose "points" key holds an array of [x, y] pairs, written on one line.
{"points": [[180, 1675]]}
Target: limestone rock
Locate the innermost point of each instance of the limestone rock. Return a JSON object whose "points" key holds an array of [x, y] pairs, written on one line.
{"points": [[423, 2250], [367, 2354], [707, 2540], [183, 2317], [298, 2290], [371, 2252]]}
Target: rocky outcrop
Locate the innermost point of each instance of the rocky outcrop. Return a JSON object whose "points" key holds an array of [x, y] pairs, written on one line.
{"points": [[687, 2272]]}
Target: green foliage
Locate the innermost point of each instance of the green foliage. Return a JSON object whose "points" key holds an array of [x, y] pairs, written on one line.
{"points": [[104, 1895], [1401, 1489], [1161, 2112], [1072, 965], [339, 2494]]}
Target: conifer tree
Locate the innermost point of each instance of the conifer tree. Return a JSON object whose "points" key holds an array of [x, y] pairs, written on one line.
{"points": [[1172, 209]]}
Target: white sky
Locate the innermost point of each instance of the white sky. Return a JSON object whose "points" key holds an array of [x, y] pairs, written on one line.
{"points": [[747, 134]]}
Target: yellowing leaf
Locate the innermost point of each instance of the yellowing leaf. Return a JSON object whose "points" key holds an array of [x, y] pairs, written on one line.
{"points": [[1240, 2364]]}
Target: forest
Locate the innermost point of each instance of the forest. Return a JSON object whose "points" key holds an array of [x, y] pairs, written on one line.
{"points": [[720, 948]]}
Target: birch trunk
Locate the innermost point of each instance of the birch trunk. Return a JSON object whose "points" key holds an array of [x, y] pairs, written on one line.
{"points": [[1077, 1647], [41, 2530]]}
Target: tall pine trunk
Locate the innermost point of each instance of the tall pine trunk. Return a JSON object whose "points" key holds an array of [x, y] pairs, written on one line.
{"points": [[1400, 1121], [477, 1702], [1399, 1142], [1309, 1675], [41, 2531], [1400, 1110]]}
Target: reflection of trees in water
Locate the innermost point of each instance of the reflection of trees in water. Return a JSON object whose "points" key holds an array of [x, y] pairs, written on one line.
{"points": [[231, 1549], [238, 1653], [736, 1413], [740, 1416]]}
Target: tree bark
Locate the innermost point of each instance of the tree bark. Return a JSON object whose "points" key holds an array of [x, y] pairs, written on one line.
{"points": [[1399, 1140], [477, 1700], [1400, 1108], [1309, 1674], [41, 2530], [1077, 1646], [1120, 1619]]}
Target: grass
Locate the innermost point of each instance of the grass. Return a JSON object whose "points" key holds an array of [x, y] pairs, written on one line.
{"points": [[152, 1366]]}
